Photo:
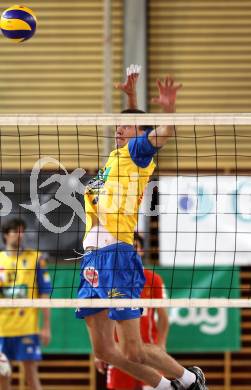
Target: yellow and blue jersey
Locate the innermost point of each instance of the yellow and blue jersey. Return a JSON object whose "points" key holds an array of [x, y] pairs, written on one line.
{"points": [[113, 197], [22, 276]]}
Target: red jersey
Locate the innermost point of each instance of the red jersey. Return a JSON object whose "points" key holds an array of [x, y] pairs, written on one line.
{"points": [[154, 288]]}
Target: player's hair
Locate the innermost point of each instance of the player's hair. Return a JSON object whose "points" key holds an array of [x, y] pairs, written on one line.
{"points": [[137, 111], [12, 224], [133, 111], [139, 238]]}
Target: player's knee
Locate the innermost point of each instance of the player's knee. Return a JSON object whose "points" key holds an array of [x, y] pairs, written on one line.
{"points": [[135, 358], [136, 355], [103, 353]]}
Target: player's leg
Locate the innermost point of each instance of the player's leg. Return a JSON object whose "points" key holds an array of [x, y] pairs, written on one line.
{"points": [[31, 375], [129, 272], [120, 380], [27, 350], [5, 383], [151, 355], [101, 330]]}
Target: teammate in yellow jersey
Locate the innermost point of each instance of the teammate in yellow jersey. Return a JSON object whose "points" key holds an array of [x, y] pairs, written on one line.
{"points": [[111, 267], [23, 274]]}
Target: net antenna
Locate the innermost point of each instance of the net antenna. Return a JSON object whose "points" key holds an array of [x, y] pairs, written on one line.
{"points": [[227, 136], [108, 74]]}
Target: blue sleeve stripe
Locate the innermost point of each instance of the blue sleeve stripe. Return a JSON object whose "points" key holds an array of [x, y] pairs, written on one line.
{"points": [[44, 287], [141, 150]]}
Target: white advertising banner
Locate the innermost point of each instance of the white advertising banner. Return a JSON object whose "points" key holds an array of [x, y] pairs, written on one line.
{"points": [[205, 220]]}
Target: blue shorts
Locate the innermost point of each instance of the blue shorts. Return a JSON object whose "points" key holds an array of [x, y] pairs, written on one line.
{"points": [[115, 271], [21, 348]]}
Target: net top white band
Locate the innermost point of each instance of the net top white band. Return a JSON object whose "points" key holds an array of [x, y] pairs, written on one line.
{"points": [[125, 119], [109, 303]]}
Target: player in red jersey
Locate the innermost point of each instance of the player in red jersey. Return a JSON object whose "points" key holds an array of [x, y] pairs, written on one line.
{"points": [[153, 330]]}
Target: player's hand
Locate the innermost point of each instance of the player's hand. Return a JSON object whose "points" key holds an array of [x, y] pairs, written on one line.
{"points": [[167, 94], [45, 335], [129, 86], [100, 365]]}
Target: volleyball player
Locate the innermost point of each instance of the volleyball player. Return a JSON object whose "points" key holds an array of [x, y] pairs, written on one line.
{"points": [[111, 267], [23, 274]]}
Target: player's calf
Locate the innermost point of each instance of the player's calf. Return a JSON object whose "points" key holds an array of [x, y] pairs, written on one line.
{"points": [[31, 375], [5, 383]]}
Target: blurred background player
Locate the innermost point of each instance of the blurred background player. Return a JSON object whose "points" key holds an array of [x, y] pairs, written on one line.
{"points": [[23, 274], [153, 330]]}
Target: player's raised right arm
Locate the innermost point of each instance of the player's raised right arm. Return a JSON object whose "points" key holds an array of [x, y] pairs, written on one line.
{"points": [[129, 87]]}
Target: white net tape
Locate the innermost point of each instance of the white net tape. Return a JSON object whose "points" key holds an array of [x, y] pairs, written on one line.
{"points": [[114, 303], [126, 119]]}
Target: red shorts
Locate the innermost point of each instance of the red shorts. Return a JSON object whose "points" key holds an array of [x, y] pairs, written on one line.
{"points": [[117, 379]]}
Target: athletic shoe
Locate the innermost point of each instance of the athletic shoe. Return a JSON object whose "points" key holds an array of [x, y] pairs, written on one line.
{"points": [[200, 383], [176, 385]]}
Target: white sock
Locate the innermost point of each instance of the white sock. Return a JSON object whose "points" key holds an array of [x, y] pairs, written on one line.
{"points": [[187, 378], [164, 384]]}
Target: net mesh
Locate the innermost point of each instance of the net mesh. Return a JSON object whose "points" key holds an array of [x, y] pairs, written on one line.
{"points": [[195, 217]]}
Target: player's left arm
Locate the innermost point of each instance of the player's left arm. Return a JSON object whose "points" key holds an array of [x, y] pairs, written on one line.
{"points": [[162, 323], [44, 291], [167, 100]]}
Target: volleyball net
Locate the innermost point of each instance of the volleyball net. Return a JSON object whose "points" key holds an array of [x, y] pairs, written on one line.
{"points": [[195, 217]]}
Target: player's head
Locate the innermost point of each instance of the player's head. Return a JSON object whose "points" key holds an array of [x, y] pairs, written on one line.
{"points": [[124, 133], [139, 244], [13, 232]]}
